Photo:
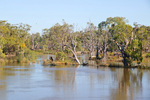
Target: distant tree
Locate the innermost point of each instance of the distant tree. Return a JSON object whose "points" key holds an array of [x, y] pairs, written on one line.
{"points": [[36, 40], [72, 44], [89, 38], [59, 37], [14, 36], [3, 31], [104, 36], [56, 36], [148, 39], [141, 33]]}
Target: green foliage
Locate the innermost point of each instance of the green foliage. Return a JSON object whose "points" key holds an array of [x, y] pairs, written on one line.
{"points": [[112, 46], [67, 51], [61, 38], [128, 39], [26, 57], [134, 52], [2, 55], [45, 47], [30, 55], [60, 56], [79, 46], [79, 42], [148, 55], [56, 37]]}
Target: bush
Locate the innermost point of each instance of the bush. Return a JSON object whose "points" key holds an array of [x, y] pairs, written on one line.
{"points": [[148, 55], [30, 55], [2, 55], [60, 56], [111, 53]]}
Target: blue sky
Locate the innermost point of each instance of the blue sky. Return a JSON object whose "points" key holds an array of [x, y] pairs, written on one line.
{"points": [[42, 14]]}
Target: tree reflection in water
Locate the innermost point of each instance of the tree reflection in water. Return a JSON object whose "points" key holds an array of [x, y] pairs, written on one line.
{"points": [[129, 84], [63, 77], [71, 82]]}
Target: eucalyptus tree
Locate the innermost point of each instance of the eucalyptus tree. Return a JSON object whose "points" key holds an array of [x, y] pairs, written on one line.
{"points": [[148, 39], [56, 36], [18, 36], [123, 36], [72, 43], [51, 37], [3, 31], [36, 40], [13, 37], [61, 37], [89, 38], [7, 38], [23, 33], [104, 37], [141, 34]]}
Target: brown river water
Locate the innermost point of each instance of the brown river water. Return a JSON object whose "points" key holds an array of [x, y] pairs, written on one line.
{"points": [[38, 82]]}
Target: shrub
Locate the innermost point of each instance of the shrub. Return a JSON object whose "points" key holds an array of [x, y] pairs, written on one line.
{"points": [[148, 55], [111, 53], [60, 56], [2, 55], [30, 55]]}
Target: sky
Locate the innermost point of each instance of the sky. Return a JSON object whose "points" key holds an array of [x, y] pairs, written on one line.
{"points": [[42, 14]]}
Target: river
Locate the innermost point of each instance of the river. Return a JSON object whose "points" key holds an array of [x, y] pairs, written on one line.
{"points": [[38, 82]]}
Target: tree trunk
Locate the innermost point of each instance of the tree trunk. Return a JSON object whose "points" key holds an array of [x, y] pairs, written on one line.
{"points": [[104, 52], [77, 59], [75, 56], [62, 46], [97, 53], [32, 40], [91, 54], [125, 63]]}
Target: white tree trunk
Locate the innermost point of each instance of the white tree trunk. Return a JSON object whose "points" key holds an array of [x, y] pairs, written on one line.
{"points": [[76, 58]]}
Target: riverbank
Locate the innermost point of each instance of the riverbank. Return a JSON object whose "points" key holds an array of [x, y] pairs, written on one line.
{"points": [[115, 60], [55, 63], [112, 60], [61, 80], [28, 57]]}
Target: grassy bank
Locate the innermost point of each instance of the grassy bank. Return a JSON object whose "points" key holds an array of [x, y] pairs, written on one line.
{"points": [[116, 61], [58, 62], [27, 57]]}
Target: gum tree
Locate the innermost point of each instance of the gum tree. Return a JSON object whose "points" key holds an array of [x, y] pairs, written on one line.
{"points": [[104, 37], [72, 44], [89, 38], [122, 35]]}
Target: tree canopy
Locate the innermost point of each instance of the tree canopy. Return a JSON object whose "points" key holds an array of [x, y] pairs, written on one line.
{"points": [[110, 35]]}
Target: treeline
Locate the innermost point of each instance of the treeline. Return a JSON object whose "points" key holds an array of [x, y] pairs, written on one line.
{"points": [[15, 41], [114, 34]]}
